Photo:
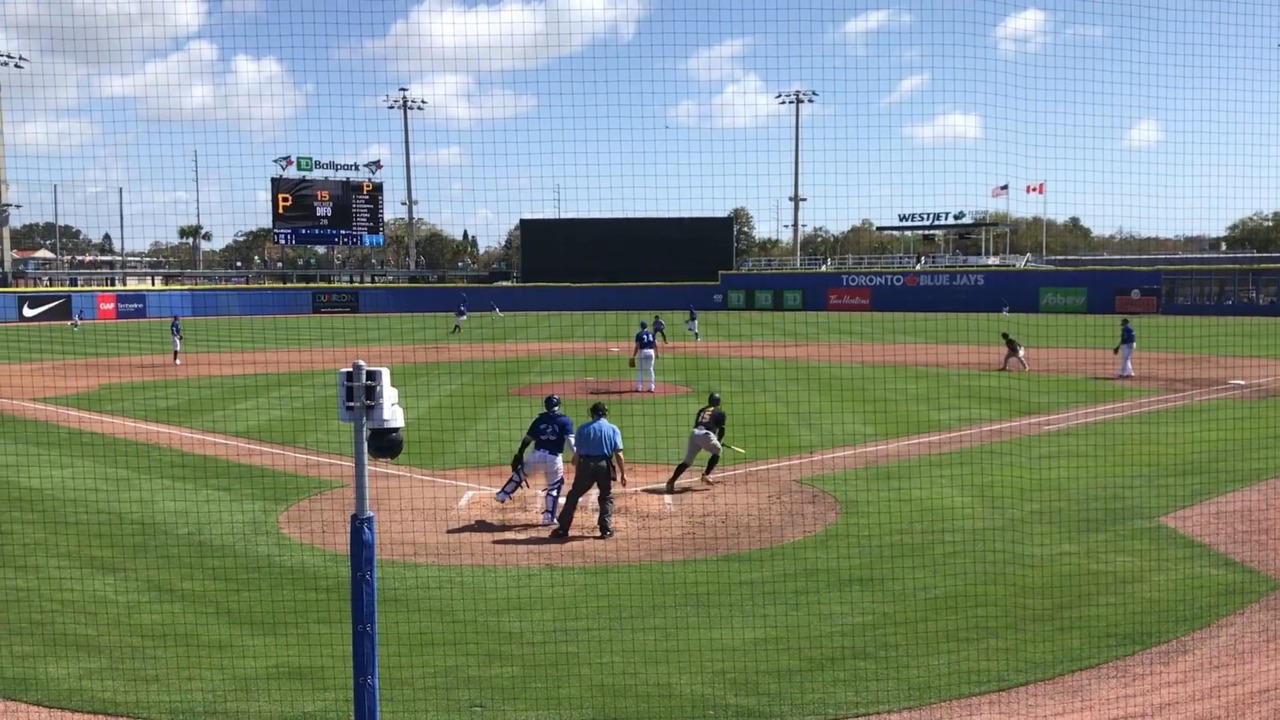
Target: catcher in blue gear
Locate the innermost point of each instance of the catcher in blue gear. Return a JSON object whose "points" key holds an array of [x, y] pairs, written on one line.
{"points": [[549, 433]]}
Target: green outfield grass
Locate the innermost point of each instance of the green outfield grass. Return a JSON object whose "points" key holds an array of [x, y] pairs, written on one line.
{"points": [[462, 414], [1211, 335], [156, 584]]}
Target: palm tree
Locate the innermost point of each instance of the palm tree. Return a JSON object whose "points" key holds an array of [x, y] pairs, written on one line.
{"points": [[197, 236]]}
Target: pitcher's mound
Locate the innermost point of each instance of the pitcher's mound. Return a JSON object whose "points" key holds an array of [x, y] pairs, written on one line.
{"points": [[594, 388]]}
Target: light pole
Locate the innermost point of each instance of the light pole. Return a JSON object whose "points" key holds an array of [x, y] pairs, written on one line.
{"points": [[16, 62], [797, 98], [404, 103]]}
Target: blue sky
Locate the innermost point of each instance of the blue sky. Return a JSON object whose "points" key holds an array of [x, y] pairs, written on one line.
{"points": [[1136, 117]]}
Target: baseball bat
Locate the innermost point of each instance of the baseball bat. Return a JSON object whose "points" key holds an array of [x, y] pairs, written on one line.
{"points": [[735, 448]]}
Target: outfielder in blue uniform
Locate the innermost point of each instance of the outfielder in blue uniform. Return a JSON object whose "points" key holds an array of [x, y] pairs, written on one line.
{"points": [[660, 328], [175, 338], [549, 433], [459, 316], [75, 321], [692, 323], [643, 355], [1128, 341], [496, 312]]}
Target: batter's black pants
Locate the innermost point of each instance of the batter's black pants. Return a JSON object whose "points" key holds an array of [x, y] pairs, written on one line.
{"points": [[590, 473]]}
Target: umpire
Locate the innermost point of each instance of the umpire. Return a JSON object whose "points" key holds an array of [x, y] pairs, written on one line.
{"points": [[597, 459]]}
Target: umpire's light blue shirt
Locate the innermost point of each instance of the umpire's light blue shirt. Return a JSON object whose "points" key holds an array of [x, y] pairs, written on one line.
{"points": [[598, 438]]}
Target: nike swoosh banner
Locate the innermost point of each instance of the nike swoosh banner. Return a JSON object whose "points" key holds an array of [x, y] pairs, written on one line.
{"points": [[44, 308]]}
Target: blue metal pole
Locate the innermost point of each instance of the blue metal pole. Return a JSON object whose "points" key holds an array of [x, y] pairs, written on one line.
{"points": [[364, 597]]}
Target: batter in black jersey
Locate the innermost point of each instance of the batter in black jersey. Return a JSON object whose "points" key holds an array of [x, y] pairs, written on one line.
{"points": [[708, 431]]}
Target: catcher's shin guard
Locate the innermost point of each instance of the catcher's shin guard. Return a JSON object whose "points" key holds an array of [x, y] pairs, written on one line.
{"points": [[509, 488], [553, 496]]}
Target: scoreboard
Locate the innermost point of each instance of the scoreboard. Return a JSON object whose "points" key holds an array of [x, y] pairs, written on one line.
{"points": [[307, 211]]}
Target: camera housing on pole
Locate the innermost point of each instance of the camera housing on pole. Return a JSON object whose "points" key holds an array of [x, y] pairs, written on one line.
{"points": [[383, 416]]}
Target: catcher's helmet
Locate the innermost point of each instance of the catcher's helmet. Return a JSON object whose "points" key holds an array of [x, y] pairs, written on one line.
{"points": [[551, 403], [599, 410], [713, 399]]}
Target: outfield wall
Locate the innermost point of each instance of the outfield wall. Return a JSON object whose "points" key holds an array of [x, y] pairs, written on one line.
{"points": [[1095, 291]]}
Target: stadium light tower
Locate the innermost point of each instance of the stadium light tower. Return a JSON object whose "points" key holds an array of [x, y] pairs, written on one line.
{"points": [[10, 61], [404, 103], [797, 98]]}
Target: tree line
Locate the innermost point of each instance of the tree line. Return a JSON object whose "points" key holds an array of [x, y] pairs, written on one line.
{"points": [[440, 250]]}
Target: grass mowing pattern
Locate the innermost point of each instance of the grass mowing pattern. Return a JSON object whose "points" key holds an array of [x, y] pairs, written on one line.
{"points": [[150, 564], [1210, 335], [802, 407]]}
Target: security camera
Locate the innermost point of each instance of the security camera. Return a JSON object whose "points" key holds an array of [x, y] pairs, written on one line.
{"points": [[386, 420], [383, 416]]}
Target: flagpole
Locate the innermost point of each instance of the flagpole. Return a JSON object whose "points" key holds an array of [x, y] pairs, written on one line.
{"points": [[1044, 223]]}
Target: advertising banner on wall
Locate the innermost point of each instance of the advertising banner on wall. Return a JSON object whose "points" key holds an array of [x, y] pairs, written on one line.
{"points": [[131, 306], [1137, 301], [792, 299], [44, 308], [848, 300], [1064, 299], [329, 301]]}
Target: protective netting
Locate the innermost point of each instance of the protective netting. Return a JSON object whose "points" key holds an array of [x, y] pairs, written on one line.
{"points": [[876, 263]]}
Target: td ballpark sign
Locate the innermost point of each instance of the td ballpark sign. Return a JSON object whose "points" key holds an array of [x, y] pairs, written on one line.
{"points": [[305, 163], [913, 280]]}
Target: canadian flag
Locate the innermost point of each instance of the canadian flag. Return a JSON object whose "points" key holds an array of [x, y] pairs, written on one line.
{"points": [[1036, 189]]}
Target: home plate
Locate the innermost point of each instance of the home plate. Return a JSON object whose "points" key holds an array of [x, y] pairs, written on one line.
{"points": [[1236, 382]]}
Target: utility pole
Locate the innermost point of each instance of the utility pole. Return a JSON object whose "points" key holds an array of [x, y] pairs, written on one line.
{"points": [[195, 242], [557, 200], [57, 230], [16, 62], [404, 103], [124, 280], [797, 98]]}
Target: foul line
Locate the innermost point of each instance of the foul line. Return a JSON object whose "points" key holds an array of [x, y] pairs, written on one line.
{"points": [[233, 443], [1158, 402], [1097, 414]]}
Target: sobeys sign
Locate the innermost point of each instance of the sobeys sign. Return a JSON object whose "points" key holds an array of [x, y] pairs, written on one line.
{"points": [[1064, 300]]}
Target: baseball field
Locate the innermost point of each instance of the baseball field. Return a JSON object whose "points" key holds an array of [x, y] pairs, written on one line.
{"points": [[907, 526]]}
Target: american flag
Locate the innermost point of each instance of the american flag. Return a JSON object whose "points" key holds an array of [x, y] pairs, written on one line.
{"points": [[1000, 191], [1036, 188]]}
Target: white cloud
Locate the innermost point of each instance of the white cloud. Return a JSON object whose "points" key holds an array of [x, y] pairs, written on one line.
{"points": [[742, 104], [906, 88], [98, 33], [194, 84], [1024, 31], [948, 126], [450, 36], [52, 136], [451, 156], [462, 99], [857, 29], [1144, 134], [719, 63]]}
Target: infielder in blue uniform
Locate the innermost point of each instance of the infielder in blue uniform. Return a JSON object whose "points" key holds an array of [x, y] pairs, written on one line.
{"points": [[692, 323], [660, 328], [1128, 341], [549, 433], [175, 338], [643, 356], [459, 316]]}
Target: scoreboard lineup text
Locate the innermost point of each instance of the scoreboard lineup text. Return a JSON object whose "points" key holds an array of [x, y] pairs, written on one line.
{"points": [[308, 211]]}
